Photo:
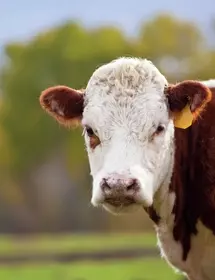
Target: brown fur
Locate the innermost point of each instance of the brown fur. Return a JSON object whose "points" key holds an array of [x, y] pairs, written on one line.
{"points": [[70, 103], [193, 178], [152, 214], [192, 92]]}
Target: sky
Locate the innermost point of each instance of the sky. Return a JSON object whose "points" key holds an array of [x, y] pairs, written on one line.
{"points": [[22, 19]]}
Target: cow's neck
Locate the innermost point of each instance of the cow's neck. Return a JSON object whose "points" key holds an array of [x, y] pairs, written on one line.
{"points": [[175, 190], [171, 201]]}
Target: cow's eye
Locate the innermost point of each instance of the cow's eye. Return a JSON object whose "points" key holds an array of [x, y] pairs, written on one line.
{"points": [[90, 132], [94, 140], [160, 129], [157, 132]]}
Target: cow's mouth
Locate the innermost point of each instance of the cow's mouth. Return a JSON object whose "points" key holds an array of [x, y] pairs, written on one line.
{"points": [[120, 201], [120, 205]]}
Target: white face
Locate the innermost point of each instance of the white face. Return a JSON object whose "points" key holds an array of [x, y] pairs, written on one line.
{"points": [[127, 109]]}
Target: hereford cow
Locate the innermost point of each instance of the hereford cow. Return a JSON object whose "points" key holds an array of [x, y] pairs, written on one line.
{"points": [[150, 144]]}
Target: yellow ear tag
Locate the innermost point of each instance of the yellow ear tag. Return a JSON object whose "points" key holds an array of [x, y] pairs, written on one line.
{"points": [[184, 118]]}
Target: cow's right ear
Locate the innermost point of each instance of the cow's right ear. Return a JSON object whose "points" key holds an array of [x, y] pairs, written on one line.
{"points": [[64, 104]]}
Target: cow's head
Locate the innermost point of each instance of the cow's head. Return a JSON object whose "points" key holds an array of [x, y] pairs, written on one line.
{"points": [[128, 112]]}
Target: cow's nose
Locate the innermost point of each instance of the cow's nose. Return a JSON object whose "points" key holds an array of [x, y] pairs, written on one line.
{"points": [[119, 185]]}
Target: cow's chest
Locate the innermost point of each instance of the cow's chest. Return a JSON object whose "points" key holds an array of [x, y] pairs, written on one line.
{"points": [[200, 263]]}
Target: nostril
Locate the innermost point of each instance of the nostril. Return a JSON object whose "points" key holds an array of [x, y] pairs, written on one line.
{"points": [[105, 184], [106, 188], [133, 186]]}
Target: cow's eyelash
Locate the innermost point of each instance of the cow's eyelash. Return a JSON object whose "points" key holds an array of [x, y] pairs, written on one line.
{"points": [[90, 131]]}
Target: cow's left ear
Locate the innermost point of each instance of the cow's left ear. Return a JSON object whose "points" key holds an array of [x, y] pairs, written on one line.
{"points": [[186, 101]]}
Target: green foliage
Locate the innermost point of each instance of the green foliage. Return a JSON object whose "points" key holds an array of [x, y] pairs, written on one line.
{"points": [[166, 35], [65, 55]]}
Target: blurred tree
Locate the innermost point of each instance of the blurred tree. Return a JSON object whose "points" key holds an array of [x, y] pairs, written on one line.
{"points": [[65, 55], [170, 42], [166, 35], [201, 65]]}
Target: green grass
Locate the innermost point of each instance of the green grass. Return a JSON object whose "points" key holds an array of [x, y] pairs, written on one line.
{"points": [[141, 269], [135, 269], [73, 243]]}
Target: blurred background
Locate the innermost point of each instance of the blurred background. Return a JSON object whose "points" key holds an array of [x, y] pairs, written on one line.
{"points": [[48, 228]]}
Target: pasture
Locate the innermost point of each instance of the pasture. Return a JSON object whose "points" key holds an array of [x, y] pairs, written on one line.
{"points": [[142, 268]]}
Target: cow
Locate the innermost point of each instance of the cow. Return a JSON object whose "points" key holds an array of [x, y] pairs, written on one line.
{"points": [[150, 145]]}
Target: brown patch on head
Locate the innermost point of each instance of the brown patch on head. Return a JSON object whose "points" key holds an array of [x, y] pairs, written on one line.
{"points": [[94, 142], [194, 93], [64, 104]]}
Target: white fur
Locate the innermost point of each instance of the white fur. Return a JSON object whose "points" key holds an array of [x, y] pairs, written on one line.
{"points": [[201, 258]]}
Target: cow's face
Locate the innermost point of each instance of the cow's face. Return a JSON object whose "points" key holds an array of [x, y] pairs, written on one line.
{"points": [[127, 112]]}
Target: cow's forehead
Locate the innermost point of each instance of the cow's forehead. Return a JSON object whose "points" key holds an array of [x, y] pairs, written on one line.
{"points": [[125, 89], [123, 79]]}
